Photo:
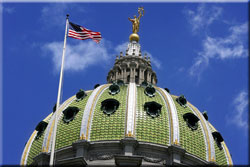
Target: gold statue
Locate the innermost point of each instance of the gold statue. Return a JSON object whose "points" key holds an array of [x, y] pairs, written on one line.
{"points": [[136, 21]]}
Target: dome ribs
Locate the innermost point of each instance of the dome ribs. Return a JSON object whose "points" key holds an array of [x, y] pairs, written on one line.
{"points": [[197, 147], [147, 129], [110, 127]]}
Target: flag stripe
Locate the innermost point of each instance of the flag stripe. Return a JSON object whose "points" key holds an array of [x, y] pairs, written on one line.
{"points": [[79, 32]]}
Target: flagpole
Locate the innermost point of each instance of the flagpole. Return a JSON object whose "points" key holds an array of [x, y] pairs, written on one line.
{"points": [[59, 95]]}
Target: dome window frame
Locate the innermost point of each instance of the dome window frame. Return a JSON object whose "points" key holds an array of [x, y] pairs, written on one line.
{"points": [[150, 91], [182, 101], [120, 82], [81, 94], [109, 106], [40, 128], [144, 84], [191, 120], [96, 86], [218, 139], [153, 108], [166, 89], [114, 89], [69, 114], [204, 113]]}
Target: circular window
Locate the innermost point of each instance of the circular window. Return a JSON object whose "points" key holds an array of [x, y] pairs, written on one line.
{"points": [[150, 91], [109, 106], [152, 108], [80, 95], [114, 89]]}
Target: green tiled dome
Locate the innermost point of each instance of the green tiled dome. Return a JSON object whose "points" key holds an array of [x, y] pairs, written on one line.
{"points": [[130, 120]]}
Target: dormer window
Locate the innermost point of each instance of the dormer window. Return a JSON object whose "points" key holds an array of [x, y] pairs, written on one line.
{"points": [[120, 82], [97, 85], [152, 108], [114, 89], [218, 139], [205, 115], [182, 100], [54, 108], [70, 113], [144, 84], [40, 128], [191, 120], [109, 106], [150, 91], [80, 95], [167, 90]]}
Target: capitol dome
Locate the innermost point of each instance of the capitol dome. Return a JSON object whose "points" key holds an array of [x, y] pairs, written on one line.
{"points": [[129, 121]]}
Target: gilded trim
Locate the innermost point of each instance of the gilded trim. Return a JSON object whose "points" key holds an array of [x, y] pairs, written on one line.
{"points": [[87, 115], [29, 143], [27, 148], [47, 141], [228, 156], [174, 123], [206, 131]]}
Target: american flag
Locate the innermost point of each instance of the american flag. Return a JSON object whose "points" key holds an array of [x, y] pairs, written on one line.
{"points": [[79, 32]]}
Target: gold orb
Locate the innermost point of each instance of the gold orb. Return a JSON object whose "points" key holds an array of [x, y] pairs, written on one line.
{"points": [[134, 37]]}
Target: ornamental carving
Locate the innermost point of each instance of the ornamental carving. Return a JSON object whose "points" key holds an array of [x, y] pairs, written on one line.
{"points": [[104, 156]]}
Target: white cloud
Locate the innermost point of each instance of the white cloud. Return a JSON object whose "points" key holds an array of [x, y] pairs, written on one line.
{"points": [[55, 14], [121, 48], [78, 57], [238, 116], [8, 10], [232, 46], [154, 60], [203, 16]]}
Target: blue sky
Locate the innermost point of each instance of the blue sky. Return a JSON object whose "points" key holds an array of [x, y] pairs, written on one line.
{"points": [[197, 49]]}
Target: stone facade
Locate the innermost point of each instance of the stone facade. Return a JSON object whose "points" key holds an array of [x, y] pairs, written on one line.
{"points": [[125, 152], [132, 67]]}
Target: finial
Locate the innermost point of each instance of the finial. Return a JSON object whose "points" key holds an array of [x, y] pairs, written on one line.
{"points": [[135, 25], [136, 20], [67, 16]]}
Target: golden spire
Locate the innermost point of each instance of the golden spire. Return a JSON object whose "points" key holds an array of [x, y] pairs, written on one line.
{"points": [[135, 25]]}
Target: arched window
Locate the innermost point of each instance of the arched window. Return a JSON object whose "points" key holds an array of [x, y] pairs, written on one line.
{"points": [[109, 106], [191, 120], [152, 108], [40, 128], [128, 78], [70, 113], [146, 75]]}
